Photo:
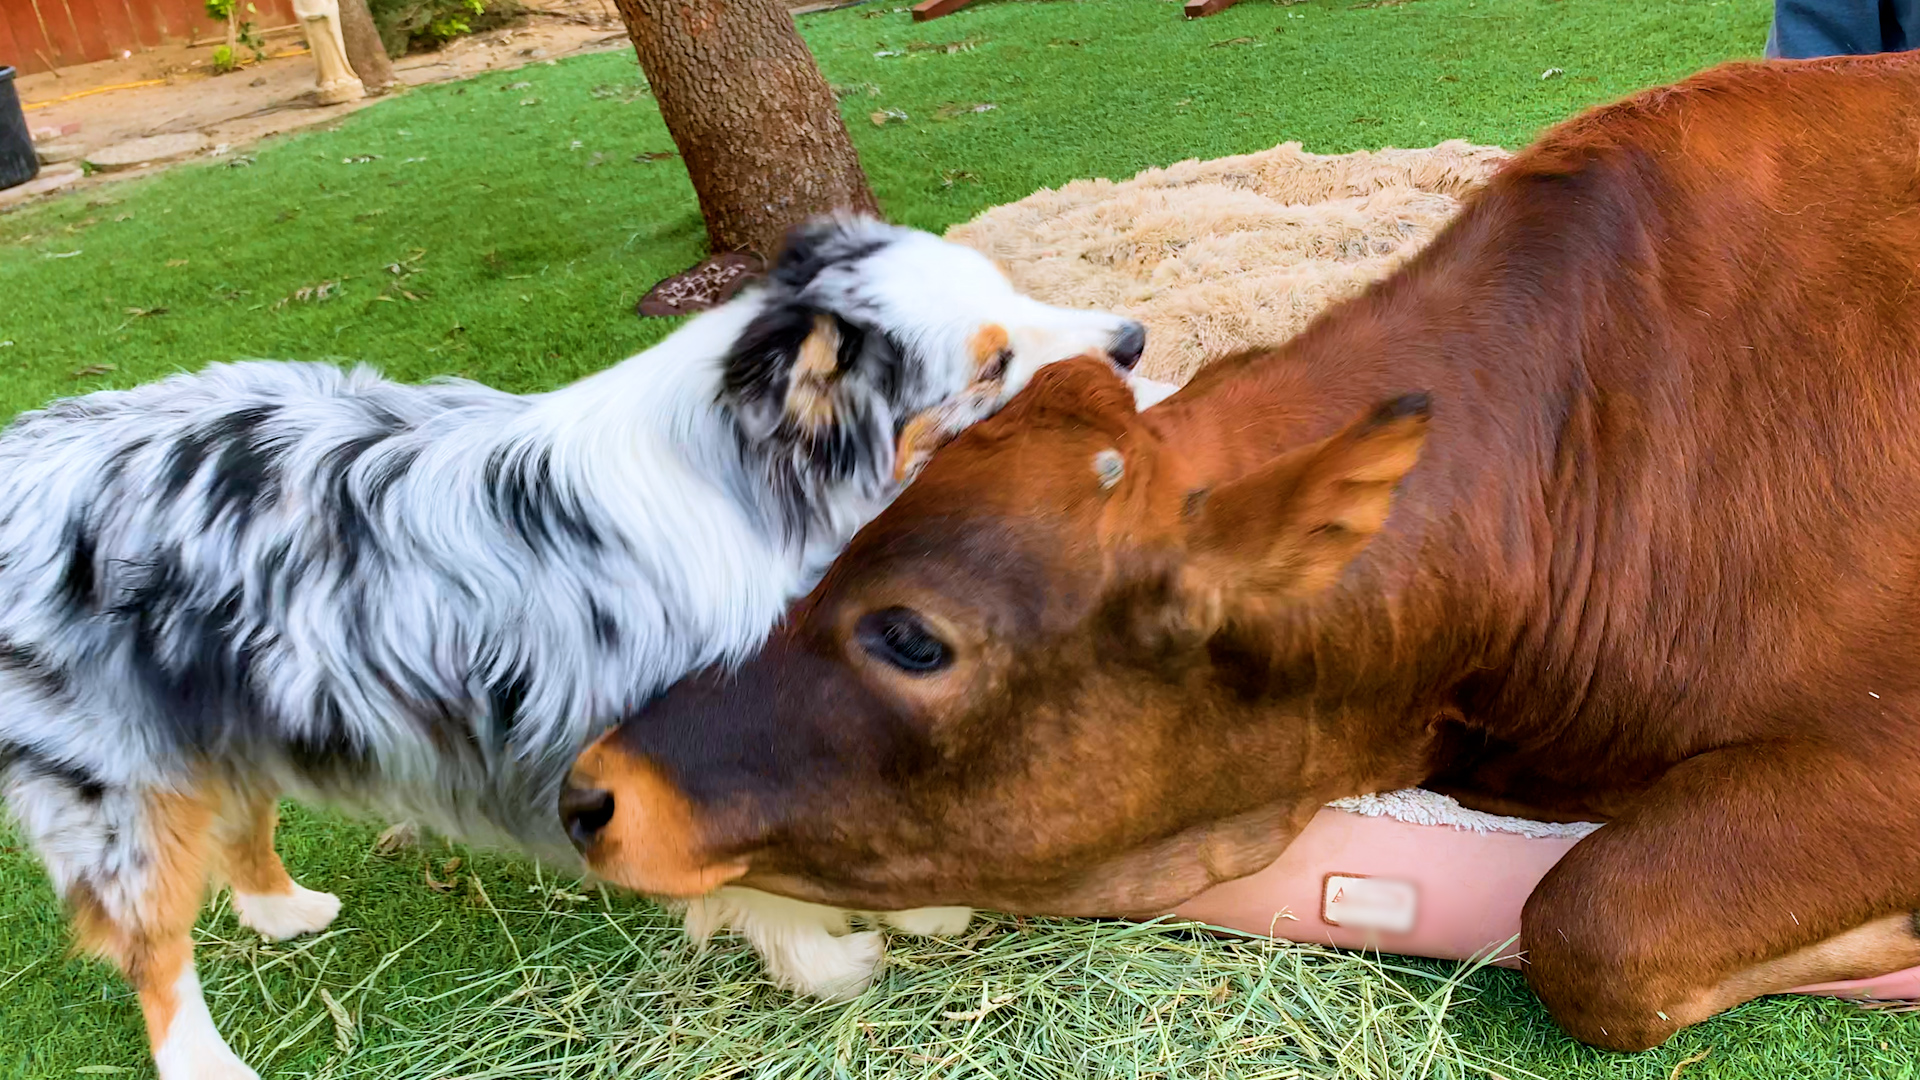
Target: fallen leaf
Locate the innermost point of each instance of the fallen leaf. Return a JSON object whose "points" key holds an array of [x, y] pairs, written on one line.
{"points": [[655, 155], [60, 254], [951, 110], [947, 47], [403, 835], [437, 885], [176, 262], [625, 93], [91, 370], [518, 86], [886, 116], [1231, 41], [144, 313], [319, 293]]}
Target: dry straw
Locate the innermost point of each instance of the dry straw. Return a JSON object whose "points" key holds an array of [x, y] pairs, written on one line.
{"points": [[615, 991]]}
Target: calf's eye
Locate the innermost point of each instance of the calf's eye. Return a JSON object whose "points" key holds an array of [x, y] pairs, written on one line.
{"points": [[897, 636]]}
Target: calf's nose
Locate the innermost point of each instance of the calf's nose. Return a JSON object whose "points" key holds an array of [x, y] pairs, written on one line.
{"points": [[584, 812], [1127, 345], [637, 828]]}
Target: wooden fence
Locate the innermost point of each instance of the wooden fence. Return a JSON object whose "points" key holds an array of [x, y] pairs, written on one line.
{"points": [[38, 34]]}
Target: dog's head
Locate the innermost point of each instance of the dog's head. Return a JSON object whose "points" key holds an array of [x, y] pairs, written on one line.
{"points": [[874, 343]]}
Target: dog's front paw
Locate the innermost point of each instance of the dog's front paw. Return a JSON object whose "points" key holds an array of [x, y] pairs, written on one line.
{"points": [[835, 968], [930, 921], [280, 916]]}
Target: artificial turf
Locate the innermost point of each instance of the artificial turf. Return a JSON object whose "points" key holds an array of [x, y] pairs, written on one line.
{"points": [[502, 228]]}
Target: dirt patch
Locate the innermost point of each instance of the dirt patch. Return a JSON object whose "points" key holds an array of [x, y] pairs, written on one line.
{"points": [[172, 89]]}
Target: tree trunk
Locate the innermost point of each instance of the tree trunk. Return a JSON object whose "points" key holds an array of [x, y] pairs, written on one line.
{"points": [[365, 53], [754, 120]]}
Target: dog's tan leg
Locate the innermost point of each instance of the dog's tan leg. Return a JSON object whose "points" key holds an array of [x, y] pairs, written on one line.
{"points": [[141, 918], [265, 898]]}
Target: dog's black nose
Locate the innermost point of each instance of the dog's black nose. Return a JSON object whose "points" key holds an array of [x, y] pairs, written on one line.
{"points": [[585, 811], [1127, 345]]}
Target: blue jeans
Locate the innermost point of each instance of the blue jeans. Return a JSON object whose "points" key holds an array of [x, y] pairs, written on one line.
{"points": [[1803, 29]]}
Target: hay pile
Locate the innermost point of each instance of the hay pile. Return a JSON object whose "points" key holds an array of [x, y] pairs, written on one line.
{"points": [[1238, 251]]}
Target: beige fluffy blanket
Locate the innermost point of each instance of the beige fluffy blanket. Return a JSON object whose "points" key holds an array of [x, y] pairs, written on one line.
{"points": [[1238, 251]]}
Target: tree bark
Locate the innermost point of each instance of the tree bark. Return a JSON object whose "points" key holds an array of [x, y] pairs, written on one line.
{"points": [[754, 120], [365, 53]]}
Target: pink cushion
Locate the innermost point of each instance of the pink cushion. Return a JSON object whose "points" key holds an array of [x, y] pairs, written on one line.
{"points": [[1422, 890]]}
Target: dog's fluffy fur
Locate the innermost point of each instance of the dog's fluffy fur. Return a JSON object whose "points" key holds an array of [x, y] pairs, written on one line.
{"points": [[273, 578]]}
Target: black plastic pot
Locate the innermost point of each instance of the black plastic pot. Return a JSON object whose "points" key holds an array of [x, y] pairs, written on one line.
{"points": [[18, 164]]}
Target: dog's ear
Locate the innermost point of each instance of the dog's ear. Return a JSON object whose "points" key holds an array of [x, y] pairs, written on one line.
{"points": [[814, 245], [783, 370]]}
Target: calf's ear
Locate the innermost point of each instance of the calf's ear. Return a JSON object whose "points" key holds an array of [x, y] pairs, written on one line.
{"points": [[1290, 528]]}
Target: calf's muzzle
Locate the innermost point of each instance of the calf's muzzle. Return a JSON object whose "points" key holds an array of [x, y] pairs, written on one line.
{"points": [[647, 837]]}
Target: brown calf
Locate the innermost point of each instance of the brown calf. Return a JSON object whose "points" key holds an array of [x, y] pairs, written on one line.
{"points": [[1648, 418]]}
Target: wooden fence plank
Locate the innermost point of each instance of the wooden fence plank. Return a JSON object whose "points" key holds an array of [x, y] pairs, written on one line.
{"points": [[56, 22], [92, 26], [9, 45], [144, 18]]}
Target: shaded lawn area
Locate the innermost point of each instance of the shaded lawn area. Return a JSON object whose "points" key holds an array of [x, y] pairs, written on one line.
{"points": [[502, 229]]}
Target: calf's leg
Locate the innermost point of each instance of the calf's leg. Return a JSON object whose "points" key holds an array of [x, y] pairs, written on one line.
{"points": [[1744, 871]]}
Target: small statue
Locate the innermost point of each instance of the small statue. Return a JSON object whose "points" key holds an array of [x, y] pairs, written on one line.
{"points": [[320, 19]]}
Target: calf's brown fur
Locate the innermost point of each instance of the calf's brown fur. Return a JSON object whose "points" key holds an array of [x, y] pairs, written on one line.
{"points": [[1605, 506]]}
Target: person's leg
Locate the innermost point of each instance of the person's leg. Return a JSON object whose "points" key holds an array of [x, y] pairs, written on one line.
{"points": [[1900, 25], [1804, 29]]}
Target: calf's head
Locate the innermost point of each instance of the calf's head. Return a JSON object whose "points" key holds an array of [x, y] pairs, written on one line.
{"points": [[1057, 675]]}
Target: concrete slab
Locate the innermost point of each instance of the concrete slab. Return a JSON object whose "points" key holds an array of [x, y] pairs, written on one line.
{"points": [[50, 180]]}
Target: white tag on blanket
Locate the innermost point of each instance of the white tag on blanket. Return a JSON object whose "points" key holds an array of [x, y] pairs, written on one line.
{"points": [[1369, 903]]}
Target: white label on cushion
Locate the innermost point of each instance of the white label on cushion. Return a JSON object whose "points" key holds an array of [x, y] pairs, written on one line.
{"points": [[1369, 903]]}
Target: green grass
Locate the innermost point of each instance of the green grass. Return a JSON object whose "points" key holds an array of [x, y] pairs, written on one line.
{"points": [[504, 232]]}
